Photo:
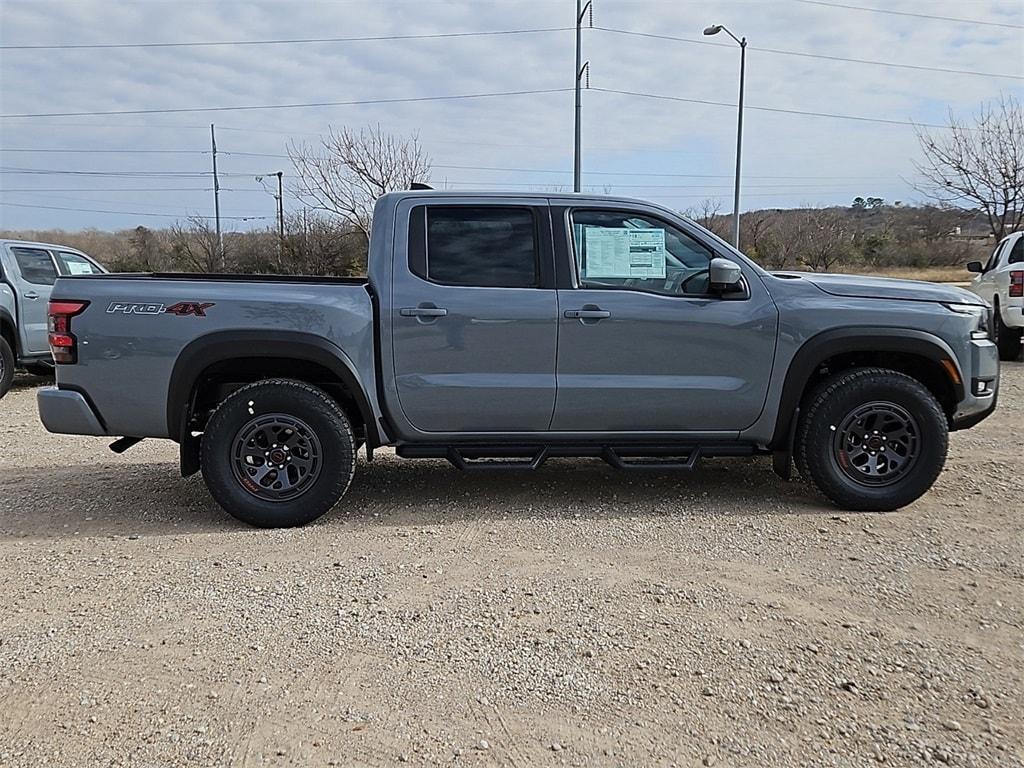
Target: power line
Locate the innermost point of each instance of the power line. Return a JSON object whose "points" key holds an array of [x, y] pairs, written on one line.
{"points": [[707, 102], [120, 189], [360, 102], [802, 54], [202, 43], [116, 151], [117, 174], [637, 173], [781, 110], [914, 15], [129, 213]]}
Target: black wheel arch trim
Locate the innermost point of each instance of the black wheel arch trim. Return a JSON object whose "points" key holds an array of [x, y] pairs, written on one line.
{"points": [[201, 353], [813, 352], [7, 320]]}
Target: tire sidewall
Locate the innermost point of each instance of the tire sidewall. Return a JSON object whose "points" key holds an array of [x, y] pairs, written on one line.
{"points": [[1008, 340], [301, 401], [6, 366], [823, 465]]}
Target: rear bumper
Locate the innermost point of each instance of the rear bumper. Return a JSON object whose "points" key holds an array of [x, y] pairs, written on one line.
{"points": [[981, 385], [68, 412], [1012, 311]]}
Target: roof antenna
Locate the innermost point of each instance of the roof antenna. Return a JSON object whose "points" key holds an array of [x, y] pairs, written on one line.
{"points": [[419, 185]]}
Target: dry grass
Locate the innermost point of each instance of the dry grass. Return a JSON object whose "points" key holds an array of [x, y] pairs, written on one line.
{"points": [[931, 274]]}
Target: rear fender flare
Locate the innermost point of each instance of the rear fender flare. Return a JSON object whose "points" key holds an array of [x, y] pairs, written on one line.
{"points": [[220, 346]]}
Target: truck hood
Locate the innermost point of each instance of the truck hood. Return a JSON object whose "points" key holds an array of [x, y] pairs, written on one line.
{"points": [[860, 286]]}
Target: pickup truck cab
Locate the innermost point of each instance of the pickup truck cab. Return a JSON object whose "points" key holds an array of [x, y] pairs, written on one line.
{"points": [[1000, 282], [497, 330], [28, 271]]}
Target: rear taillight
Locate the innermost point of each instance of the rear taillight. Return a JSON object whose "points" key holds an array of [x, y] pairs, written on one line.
{"points": [[1017, 283], [63, 344]]}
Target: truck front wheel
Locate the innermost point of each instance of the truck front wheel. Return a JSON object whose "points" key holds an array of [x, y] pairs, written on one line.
{"points": [[278, 453], [871, 439], [6, 366]]}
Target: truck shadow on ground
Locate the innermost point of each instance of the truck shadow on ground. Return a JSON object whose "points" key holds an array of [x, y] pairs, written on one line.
{"points": [[119, 499]]}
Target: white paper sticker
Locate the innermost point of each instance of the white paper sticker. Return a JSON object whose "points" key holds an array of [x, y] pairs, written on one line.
{"points": [[79, 267], [625, 253]]}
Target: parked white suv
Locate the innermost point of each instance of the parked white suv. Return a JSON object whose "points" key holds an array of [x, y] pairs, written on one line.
{"points": [[27, 273], [1000, 282]]}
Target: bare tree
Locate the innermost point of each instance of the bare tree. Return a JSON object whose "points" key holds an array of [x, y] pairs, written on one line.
{"points": [[350, 169], [824, 238], [194, 246], [981, 164]]}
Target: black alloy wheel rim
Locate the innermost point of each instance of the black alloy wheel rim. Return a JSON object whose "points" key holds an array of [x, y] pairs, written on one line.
{"points": [[276, 457], [877, 444]]}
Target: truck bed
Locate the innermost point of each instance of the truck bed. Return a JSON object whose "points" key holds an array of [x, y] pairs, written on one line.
{"points": [[145, 336]]}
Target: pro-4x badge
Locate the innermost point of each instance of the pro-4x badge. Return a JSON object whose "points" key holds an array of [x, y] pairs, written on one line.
{"points": [[181, 309]]}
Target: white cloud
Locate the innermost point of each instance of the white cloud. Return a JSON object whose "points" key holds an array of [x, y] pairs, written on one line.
{"points": [[622, 134]]}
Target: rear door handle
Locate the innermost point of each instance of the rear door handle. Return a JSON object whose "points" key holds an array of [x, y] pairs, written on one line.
{"points": [[423, 311], [33, 295], [587, 314]]}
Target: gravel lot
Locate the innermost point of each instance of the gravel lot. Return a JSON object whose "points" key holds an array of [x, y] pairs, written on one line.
{"points": [[575, 616]]}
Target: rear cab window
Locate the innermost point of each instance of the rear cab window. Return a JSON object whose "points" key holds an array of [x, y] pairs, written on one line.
{"points": [[75, 264], [487, 246], [35, 264]]}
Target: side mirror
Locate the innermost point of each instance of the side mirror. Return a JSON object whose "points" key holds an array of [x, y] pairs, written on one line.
{"points": [[724, 275], [974, 266]]}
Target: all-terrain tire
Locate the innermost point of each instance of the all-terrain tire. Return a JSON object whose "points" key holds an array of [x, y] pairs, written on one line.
{"points": [[261, 428], [1007, 339], [6, 366], [856, 416]]}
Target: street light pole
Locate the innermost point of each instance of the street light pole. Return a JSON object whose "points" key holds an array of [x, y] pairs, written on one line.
{"points": [[581, 10], [742, 42]]}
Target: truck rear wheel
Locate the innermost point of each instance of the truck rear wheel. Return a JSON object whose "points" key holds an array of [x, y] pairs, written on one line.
{"points": [[6, 366], [1007, 339], [278, 453], [871, 439]]}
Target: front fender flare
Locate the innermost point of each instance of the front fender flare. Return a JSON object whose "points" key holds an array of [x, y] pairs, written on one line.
{"points": [[813, 352]]}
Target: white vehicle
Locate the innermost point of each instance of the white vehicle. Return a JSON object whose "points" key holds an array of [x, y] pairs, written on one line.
{"points": [[1000, 282]]}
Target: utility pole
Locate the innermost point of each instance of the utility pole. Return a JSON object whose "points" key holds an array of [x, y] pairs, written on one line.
{"points": [[279, 198], [581, 9], [280, 214], [216, 200]]}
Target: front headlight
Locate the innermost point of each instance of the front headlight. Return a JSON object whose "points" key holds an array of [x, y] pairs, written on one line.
{"points": [[982, 328]]}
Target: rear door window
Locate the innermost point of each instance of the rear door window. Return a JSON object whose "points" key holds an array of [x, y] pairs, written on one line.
{"points": [[1017, 254], [75, 264], [36, 265], [480, 246]]}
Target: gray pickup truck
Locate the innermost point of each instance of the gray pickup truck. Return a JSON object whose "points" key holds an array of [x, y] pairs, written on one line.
{"points": [[496, 331], [28, 271]]}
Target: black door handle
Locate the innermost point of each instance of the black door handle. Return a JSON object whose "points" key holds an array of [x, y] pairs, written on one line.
{"points": [[587, 314], [423, 312]]}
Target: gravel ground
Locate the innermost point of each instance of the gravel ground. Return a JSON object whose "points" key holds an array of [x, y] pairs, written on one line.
{"points": [[574, 616]]}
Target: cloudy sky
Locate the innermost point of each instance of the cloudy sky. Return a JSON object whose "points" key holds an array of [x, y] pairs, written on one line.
{"points": [[150, 167]]}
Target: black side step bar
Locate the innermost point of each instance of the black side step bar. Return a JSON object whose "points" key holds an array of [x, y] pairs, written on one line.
{"points": [[684, 463], [679, 458], [459, 461]]}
